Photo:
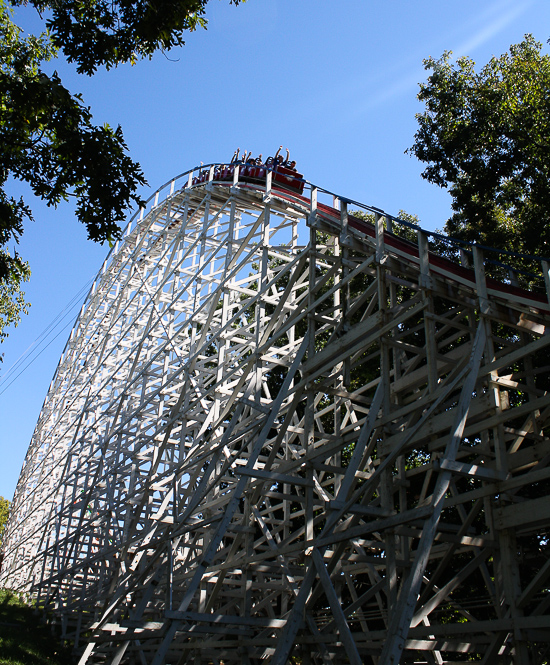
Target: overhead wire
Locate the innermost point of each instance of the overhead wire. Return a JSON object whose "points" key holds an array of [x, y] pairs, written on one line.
{"points": [[6, 381]]}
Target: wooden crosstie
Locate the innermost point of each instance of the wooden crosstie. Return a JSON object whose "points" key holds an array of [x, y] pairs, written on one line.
{"points": [[287, 428]]}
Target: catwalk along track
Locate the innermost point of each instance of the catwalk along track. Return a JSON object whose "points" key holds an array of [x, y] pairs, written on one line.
{"points": [[289, 428]]}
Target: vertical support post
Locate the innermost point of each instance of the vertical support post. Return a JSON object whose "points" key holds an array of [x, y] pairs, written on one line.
{"points": [[386, 480], [268, 181], [464, 258], [546, 274], [379, 236], [429, 326], [344, 233], [501, 458], [312, 207], [387, 502], [481, 282], [510, 590], [170, 574], [339, 302], [513, 277], [506, 563], [382, 306], [310, 406]]}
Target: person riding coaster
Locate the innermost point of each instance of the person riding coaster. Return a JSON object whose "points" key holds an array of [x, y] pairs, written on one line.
{"points": [[255, 170]]}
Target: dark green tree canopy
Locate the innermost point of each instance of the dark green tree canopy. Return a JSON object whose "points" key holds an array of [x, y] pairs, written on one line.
{"points": [[48, 140], [486, 136], [108, 32]]}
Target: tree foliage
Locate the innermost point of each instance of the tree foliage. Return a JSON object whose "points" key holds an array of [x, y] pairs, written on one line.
{"points": [[398, 229], [486, 136], [49, 140], [4, 515], [12, 299], [47, 134], [105, 32]]}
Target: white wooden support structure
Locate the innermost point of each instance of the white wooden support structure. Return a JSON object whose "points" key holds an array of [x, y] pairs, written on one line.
{"points": [[260, 451]]}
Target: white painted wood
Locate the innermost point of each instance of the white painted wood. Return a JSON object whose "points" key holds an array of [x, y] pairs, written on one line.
{"points": [[254, 448]]}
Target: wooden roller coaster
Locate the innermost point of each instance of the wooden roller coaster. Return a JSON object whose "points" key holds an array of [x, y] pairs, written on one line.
{"points": [[260, 451]]}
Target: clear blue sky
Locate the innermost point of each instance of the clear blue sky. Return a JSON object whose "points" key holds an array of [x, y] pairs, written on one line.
{"points": [[336, 82]]}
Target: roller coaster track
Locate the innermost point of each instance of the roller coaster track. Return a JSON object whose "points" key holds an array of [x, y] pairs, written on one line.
{"points": [[288, 428]]}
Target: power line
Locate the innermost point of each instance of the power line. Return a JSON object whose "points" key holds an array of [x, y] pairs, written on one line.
{"points": [[41, 339]]}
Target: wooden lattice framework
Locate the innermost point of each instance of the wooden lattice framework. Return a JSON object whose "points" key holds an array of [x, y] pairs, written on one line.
{"points": [[260, 451]]}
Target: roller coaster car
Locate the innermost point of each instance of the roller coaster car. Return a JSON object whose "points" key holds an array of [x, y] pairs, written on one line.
{"points": [[282, 176], [289, 179]]}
